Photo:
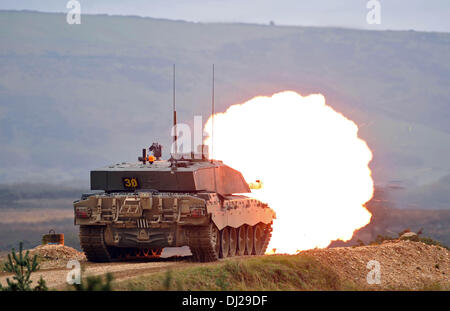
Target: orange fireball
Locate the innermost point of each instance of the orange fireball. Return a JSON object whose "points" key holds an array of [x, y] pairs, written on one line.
{"points": [[310, 161]]}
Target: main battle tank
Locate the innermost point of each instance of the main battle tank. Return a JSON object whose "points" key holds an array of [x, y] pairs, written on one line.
{"points": [[146, 206]]}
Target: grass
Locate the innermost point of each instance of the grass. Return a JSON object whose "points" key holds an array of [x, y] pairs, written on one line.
{"points": [[435, 286], [426, 285], [275, 272], [2, 266]]}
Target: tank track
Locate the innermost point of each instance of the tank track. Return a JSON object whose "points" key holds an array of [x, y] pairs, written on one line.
{"points": [[93, 244], [200, 241], [201, 244], [202, 247]]}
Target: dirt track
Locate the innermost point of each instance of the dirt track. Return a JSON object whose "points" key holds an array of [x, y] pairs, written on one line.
{"points": [[56, 277], [54, 269]]}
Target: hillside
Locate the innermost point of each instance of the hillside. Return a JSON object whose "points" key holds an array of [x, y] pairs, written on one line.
{"points": [[404, 265], [76, 97]]}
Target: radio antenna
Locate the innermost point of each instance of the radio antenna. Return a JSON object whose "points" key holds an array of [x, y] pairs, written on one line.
{"points": [[212, 117], [174, 116], [212, 132]]}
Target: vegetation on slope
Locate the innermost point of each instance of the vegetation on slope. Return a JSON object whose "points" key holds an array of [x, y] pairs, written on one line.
{"points": [[275, 272], [404, 265]]}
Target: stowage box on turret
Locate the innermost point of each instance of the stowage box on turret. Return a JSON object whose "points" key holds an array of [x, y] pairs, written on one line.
{"points": [[149, 205]]}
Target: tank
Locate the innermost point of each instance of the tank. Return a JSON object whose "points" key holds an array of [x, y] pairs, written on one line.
{"points": [[140, 208]]}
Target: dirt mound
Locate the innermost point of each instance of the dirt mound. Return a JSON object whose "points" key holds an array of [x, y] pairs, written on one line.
{"points": [[57, 252], [403, 264]]}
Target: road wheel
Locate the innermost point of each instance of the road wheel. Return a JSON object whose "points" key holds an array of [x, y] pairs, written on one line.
{"points": [[241, 240], [233, 242], [224, 242], [258, 238], [249, 241]]}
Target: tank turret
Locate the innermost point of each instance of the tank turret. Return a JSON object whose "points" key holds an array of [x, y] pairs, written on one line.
{"points": [[190, 176]]}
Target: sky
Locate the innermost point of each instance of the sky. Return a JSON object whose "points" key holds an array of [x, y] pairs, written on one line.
{"points": [[419, 15]]}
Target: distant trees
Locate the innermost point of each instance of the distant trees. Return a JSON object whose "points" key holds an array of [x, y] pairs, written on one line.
{"points": [[14, 192]]}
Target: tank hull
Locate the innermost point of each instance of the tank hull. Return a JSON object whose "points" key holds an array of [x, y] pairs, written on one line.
{"points": [[124, 225]]}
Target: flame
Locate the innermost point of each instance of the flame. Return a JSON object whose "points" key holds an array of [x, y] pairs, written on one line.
{"points": [[313, 167]]}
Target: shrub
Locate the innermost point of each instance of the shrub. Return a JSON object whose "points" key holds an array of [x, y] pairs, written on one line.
{"points": [[22, 266], [95, 283]]}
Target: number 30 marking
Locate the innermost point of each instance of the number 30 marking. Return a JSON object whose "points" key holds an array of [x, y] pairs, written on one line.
{"points": [[130, 183]]}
